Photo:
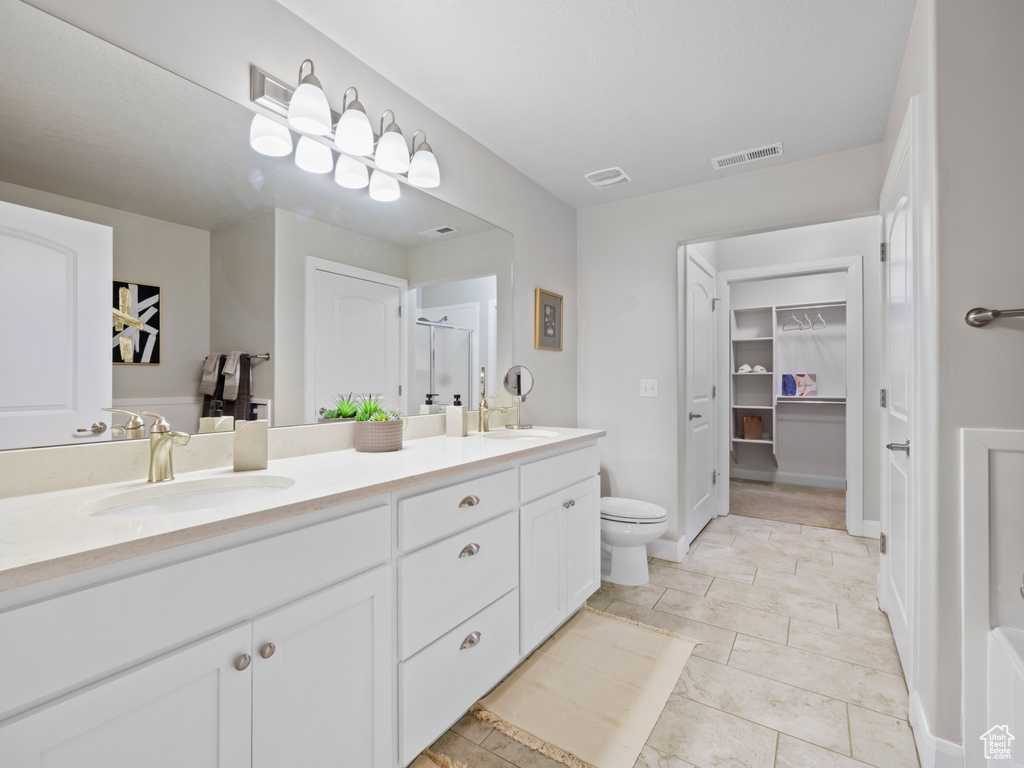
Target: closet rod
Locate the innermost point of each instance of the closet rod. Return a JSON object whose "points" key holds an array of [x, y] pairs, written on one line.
{"points": [[794, 307]]}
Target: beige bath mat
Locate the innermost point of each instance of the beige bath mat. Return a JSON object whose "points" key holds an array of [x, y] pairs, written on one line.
{"points": [[428, 759], [591, 695]]}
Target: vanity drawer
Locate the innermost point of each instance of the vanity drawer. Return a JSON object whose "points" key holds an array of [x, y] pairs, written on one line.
{"points": [[444, 584], [433, 515], [59, 644], [539, 478], [443, 680]]}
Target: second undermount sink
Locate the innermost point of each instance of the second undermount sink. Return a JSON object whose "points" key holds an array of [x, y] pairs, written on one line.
{"points": [[187, 496], [520, 434]]}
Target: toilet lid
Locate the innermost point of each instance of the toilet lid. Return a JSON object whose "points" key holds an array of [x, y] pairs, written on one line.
{"points": [[631, 510]]}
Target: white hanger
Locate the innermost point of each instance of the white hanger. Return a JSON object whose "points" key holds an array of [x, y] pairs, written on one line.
{"points": [[809, 323], [818, 319], [792, 319]]}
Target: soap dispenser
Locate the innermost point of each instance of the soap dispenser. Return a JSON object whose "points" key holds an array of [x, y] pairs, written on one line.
{"points": [[456, 420], [216, 421], [250, 442], [431, 405]]}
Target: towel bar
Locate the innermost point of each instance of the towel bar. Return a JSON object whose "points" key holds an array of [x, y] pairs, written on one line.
{"points": [[980, 317], [263, 356]]}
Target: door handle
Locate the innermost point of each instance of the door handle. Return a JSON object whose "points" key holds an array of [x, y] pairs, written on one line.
{"points": [[98, 428], [696, 415], [905, 447]]}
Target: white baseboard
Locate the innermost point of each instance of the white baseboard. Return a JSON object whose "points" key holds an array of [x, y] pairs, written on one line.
{"points": [[793, 478], [130, 402], [933, 751], [667, 549], [871, 529]]}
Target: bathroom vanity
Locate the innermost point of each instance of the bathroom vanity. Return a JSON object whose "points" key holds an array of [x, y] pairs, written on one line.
{"points": [[354, 610]]}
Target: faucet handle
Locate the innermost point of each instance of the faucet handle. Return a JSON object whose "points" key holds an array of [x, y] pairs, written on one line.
{"points": [[135, 421], [160, 425]]}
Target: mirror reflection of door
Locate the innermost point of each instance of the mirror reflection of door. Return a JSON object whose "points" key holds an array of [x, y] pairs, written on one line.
{"points": [[356, 339]]}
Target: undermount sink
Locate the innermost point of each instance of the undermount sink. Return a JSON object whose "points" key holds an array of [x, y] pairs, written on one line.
{"points": [[187, 496], [520, 434]]}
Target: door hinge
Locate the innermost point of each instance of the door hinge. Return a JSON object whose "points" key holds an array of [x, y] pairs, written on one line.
{"points": [[714, 477], [399, 389], [881, 544], [714, 392], [881, 251], [714, 303], [882, 398], [399, 310]]}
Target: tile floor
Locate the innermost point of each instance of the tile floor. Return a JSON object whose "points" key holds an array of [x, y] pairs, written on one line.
{"points": [[796, 669]]}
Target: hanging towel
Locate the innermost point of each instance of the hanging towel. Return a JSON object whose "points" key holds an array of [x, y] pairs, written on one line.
{"points": [[232, 375], [211, 370]]}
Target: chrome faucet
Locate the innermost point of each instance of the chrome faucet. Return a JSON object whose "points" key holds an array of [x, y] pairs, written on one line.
{"points": [[486, 411], [161, 444]]}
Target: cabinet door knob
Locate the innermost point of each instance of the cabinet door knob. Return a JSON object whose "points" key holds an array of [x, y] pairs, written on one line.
{"points": [[268, 650], [471, 639], [242, 662], [565, 505], [469, 501], [572, 502], [469, 550]]}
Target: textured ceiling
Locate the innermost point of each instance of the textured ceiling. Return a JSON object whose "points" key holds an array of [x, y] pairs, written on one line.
{"points": [[560, 88]]}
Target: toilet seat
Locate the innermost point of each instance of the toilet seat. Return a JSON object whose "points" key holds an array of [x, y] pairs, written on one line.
{"points": [[631, 511]]}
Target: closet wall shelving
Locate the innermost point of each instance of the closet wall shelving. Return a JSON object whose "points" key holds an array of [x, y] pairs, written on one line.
{"points": [[808, 338]]}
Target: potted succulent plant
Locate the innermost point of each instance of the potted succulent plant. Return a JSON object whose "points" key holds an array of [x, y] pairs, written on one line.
{"points": [[378, 429], [344, 409]]}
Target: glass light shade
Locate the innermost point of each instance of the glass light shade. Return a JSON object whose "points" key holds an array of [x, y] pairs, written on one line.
{"points": [[384, 188], [354, 134], [269, 138], [308, 111], [350, 173], [423, 170], [392, 153], [312, 156]]}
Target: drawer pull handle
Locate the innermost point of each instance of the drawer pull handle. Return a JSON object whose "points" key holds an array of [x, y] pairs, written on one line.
{"points": [[469, 550], [242, 662], [469, 501], [472, 639], [268, 650]]}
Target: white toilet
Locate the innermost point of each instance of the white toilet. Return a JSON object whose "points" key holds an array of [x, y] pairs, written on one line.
{"points": [[627, 527]]}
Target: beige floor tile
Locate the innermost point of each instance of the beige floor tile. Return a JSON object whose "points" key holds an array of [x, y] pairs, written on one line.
{"points": [[864, 621], [652, 758], [864, 566], [787, 545], [844, 575], [882, 741], [600, 602], [821, 589], [738, 524], [719, 569], [521, 756], [835, 678], [837, 541], [715, 642], [785, 708], [725, 539], [470, 727], [802, 544], [465, 751], [773, 601], [711, 738], [875, 652], [794, 753], [684, 581], [646, 595], [759, 559], [739, 618]]}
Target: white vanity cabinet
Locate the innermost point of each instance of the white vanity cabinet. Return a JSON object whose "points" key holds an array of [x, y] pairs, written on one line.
{"points": [[560, 540]]}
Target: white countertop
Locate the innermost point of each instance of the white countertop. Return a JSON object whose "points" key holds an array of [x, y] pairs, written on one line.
{"points": [[47, 535]]}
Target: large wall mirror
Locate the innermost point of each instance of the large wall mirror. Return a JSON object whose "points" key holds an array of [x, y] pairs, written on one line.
{"points": [[249, 253]]}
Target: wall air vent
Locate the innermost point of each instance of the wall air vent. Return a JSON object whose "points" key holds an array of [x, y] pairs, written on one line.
{"points": [[747, 156], [609, 177], [438, 231]]}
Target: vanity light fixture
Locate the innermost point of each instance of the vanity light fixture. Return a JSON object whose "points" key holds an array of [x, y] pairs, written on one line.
{"points": [[392, 153], [269, 138], [308, 110], [312, 156], [384, 188], [351, 173], [354, 134], [423, 170]]}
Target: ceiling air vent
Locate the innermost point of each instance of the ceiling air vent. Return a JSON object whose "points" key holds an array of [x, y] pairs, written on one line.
{"points": [[609, 177], [747, 156], [438, 231]]}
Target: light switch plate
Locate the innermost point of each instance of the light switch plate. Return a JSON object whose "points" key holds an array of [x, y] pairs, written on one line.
{"points": [[648, 388]]}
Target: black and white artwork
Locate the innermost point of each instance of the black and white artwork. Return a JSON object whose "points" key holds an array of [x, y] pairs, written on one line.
{"points": [[136, 322]]}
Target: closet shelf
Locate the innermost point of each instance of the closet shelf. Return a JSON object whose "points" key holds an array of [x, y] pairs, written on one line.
{"points": [[758, 442], [812, 399], [752, 407], [753, 338], [752, 373]]}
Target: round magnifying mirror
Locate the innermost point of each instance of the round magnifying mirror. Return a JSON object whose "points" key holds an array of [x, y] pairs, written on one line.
{"points": [[519, 381]]}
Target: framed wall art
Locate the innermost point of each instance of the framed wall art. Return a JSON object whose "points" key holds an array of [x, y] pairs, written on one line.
{"points": [[136, 322], [548, 327]]}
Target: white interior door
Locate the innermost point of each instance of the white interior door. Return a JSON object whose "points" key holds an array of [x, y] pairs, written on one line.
{"points": [[897, 503], [55, 312], [356, 337], [700, 393]]}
